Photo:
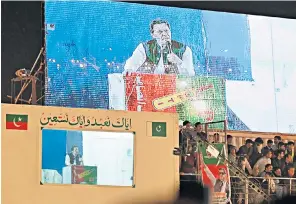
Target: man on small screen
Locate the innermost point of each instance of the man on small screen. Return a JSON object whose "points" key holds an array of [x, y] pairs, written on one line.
{"points": [[161, 55], [73, 158]]}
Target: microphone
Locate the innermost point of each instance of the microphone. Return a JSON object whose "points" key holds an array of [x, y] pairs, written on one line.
{"points": [[169, 45]]}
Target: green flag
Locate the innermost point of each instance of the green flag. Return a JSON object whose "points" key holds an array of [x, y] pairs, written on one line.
{"points": [[208, 158], [158, 129]]}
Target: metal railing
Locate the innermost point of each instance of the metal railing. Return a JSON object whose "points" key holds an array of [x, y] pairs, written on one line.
{"points": [[275, 187], [243, 193], [244, 189]]}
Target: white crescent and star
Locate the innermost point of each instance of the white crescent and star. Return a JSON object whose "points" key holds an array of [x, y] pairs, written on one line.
{"points": [[158, 128], [14, 123]]}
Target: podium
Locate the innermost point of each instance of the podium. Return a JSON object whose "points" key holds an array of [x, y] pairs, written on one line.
{"points": [[80, 175]]}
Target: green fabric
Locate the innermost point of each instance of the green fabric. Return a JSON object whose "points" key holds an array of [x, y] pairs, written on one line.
{"points": [[159, 129], [211, 93], [91, 176], [212, 160], [152, 50], [16, 118]]}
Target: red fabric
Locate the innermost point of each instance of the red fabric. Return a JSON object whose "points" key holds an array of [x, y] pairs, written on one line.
{"points": [[76, 171], [215, 171], [12, 125], [153, 86]]}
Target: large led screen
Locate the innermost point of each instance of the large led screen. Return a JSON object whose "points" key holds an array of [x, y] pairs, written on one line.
{"points": [[206, 66]]}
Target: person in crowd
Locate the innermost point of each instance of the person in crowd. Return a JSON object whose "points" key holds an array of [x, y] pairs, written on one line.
{"points": [[229, 142], [256, 154], [238, 185], [287, 162], [255, 171], [216, 137], [182, 137], [238, 161], [269, 146], [278, 160], [291, 172], [73, 158], [200, 134], [188, 165], [244, 164], [276, 139], [277, 173], [282, 146], [268, 169], [211, 138], [290, 149], [266, 159], [268, 184], [290, 185], [232, 155], [186, 124], [246, 149]]}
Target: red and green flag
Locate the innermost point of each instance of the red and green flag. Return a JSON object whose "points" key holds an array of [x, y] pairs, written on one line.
{"points": [[215, 174], [16, 122]]}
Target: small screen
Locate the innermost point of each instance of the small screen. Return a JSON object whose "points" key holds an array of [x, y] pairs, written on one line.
{"points": [[87, 157]]}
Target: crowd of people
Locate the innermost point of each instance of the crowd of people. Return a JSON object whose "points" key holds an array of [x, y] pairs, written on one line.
{"points": [[269, 164], [273, 165], [276, 158]]}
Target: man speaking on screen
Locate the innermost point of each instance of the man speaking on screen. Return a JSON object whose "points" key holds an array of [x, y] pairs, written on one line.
{"points": [[161, 55], [73, 158]]}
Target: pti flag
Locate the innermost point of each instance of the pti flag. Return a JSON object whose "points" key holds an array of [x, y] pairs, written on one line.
{"points": [[158, 129], [215, 174], [16, 122]]}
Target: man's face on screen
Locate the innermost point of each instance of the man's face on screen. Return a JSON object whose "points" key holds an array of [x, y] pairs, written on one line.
{"points": [[75, 150], [162, 33]]}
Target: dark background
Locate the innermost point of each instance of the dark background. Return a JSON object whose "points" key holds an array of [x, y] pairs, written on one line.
{"points": [[21, 40], [22, 30]]}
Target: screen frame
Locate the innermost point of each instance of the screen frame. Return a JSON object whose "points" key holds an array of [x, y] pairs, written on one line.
{"points": [[40, 129]]}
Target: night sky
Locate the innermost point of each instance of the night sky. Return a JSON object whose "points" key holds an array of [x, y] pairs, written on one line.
{"points": [[21, 40]]}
